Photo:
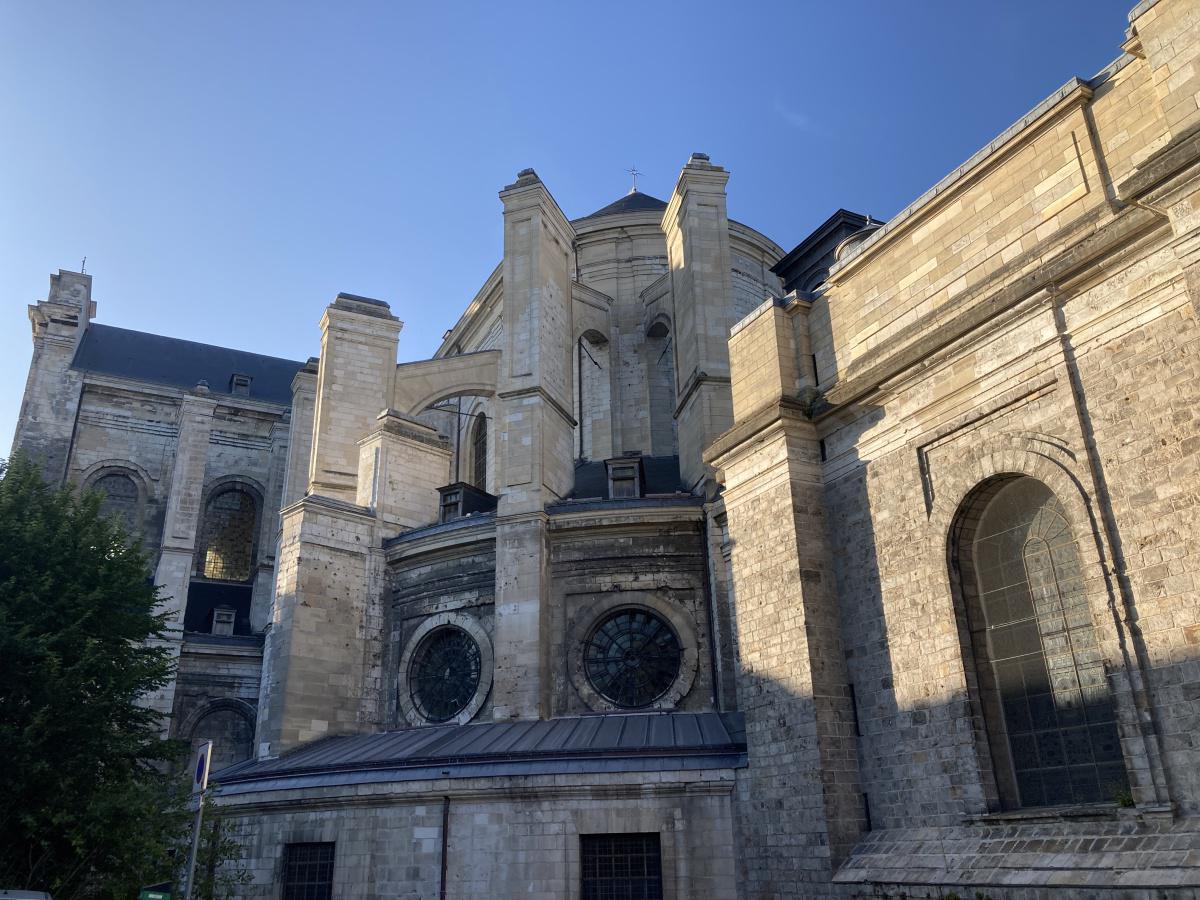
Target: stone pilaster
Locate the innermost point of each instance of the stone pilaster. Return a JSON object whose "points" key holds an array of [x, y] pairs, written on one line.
{"points": [[793, 686], [534, 399], [51, 401], [696, 226], [355, 380], [177, 558]]}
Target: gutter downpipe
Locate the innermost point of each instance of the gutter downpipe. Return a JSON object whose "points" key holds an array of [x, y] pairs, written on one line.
{"points": [[445, 846]]}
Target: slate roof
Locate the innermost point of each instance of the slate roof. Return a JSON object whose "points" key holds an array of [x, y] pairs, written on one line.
{"points": [[139, 356], [635, 201], [661, 740], [661, 474]]}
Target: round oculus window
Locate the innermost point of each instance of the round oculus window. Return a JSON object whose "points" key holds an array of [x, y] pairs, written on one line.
{"points": [[632, 658], [444, 673]]}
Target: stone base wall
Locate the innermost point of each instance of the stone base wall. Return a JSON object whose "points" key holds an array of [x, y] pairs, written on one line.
{"points": [[508, 837]]}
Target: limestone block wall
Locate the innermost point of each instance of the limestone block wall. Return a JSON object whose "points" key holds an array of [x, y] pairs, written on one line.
{"points": [[323, 657], [456, 575], [122, 429], [506, 837], [606, 559], [216, 695]]}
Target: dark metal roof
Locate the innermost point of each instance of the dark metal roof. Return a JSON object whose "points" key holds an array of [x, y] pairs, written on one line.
{"points": [[634, 201], [808, 262], [139, 356], [573, 740], [661, 474]]}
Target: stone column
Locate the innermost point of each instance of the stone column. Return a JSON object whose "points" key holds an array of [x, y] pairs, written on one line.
{"points": [[355, 381], [696, 226], [533, 403], [52, 390], [177, 558], [802, 780]]}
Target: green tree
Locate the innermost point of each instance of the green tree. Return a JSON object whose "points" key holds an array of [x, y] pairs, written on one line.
{"points": [[91, 804]]}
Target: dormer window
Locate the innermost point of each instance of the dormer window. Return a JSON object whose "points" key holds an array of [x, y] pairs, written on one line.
{"points": [[451, 504], [624, 478], [463, 499], [223, 620], [239, 385]]}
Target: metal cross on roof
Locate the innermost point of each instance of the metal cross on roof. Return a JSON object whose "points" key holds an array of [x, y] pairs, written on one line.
{"points": [[634, 173]]}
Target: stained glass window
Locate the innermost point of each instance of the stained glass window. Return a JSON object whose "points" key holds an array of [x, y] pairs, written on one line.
{"points": [[1041, 664], [444, 673], [620, 866], [632, 658]]}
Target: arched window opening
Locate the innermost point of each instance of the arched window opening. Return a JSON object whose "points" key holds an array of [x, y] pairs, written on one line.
{"points": [[1044, 691], [120, 499], [230, 524], [479, 453], [232, 735]]}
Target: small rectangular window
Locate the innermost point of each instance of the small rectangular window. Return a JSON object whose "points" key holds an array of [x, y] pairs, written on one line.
{"points": [[307, 872], [240, 385], [451, 505], [223, 619], [625, 866]]}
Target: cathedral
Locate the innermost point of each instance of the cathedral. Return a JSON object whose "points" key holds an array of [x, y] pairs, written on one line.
{"points": [[692, 567]]}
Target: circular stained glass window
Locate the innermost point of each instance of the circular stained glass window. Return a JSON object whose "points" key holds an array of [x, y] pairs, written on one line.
{"points": [[632, 658], [444, 673]]}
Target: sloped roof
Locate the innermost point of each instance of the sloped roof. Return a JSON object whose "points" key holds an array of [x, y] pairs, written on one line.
{"points": [[634, 201], [140, 356], [667, 737]]}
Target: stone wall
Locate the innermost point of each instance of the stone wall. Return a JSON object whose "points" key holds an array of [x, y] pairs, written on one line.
{"points": [[607, 558], [508, 837], [1031, 315]]}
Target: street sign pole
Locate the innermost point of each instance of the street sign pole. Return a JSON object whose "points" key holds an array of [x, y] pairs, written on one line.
{"points": [[199, 786]]}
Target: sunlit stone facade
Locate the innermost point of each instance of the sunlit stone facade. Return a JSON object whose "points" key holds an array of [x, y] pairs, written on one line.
{"points": [[688, 567]]}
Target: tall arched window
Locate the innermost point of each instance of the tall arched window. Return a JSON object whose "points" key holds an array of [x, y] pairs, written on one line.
{"points": [[1044, 691], [479, 452], [120, 498], [227, 538]]}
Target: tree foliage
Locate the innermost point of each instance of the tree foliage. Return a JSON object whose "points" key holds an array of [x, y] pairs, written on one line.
{"points": [[90, 803]]}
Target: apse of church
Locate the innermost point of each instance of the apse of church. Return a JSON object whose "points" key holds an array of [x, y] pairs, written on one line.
{"points": [[691, 567]]}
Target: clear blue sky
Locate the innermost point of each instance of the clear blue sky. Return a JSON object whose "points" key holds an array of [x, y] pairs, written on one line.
{"points": [[227, 168]]}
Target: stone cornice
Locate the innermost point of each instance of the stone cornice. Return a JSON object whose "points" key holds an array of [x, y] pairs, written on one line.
{"points": [[786, 410], [539, 391], [529, 192], [695, 380], [509, 789], [1180, 154]]}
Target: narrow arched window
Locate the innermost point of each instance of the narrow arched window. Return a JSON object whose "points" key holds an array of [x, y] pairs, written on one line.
{"points": [[479, 452], [227, 538], [1044, 691], [119, 501]]}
